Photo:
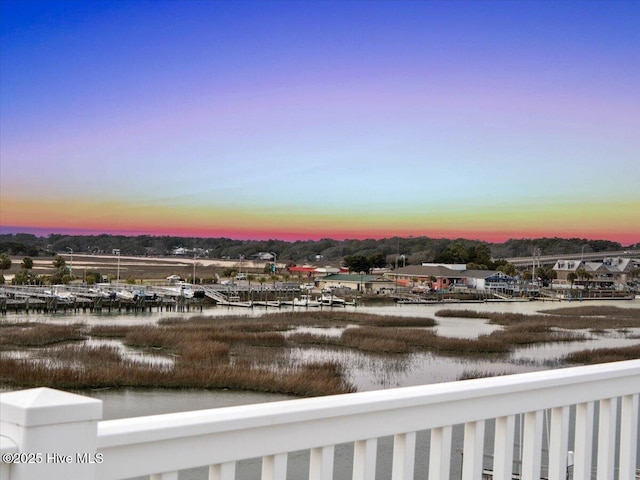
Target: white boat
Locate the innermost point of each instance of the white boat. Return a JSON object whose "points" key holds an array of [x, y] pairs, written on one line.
{"points": [[106, 294], [306, 301], [332, 300], [181, 290], [61, 295], [125, 295]]}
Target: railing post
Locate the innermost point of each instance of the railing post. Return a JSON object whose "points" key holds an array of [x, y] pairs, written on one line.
{"points": [[56, 431]]}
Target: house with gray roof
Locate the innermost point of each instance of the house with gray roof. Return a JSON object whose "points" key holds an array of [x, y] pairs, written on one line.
{"points": [[443, 277], [359, 282], [614, 272]]}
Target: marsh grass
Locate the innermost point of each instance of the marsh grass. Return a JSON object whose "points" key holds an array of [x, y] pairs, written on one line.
{"points": [[252, 353], [609, 311], [38, 334], [461, 313], [604, 355], [478, 373]]}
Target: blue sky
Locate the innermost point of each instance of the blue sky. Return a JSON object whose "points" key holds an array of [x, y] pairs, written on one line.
{"points": [[483, 119]]}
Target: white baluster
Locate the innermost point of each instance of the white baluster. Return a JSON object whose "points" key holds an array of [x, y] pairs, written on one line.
{"points": [[532, 446], [404, 454], [274, 467], [440, 454], [364, 459], [607, 438], [164, 476], [222, 471], [503, 448], [558, 443], [584, 441], [473, 450], [321, 463], [628, 436]]}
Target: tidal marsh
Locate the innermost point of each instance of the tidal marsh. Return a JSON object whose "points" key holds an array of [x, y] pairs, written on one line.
{"points": [[251, 353]]}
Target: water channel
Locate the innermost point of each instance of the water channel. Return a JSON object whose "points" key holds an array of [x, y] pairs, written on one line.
{"points": [[366, 371]]}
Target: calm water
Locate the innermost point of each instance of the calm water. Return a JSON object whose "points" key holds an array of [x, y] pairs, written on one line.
{"points": [[367, 372]]}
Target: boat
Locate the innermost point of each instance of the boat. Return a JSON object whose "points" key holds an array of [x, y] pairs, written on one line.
{"points": [[61, 296], [102, 293], [181, 290], [147, 296], [125, 295], [306, 301], [332, 301]]}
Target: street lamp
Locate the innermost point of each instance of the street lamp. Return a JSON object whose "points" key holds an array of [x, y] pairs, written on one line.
{"points": [[117, 251], [194, 267], [70, 261]]}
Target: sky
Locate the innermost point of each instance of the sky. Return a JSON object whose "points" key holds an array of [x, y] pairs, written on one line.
{"points": [[299, 120]]}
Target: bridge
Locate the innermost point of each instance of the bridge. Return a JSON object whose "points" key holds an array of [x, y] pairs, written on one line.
{"points": [[552, 259], [547, 424]]}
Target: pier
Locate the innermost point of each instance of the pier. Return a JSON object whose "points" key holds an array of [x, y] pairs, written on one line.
{"points": [[87, 298]]}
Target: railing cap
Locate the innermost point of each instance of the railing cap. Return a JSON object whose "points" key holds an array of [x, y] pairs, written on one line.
{"points": [[46, 406]]}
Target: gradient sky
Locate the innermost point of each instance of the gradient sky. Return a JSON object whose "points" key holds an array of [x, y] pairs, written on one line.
{"points": [[312, 119]]}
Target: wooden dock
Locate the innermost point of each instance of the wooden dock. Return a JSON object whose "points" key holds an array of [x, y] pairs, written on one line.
{"points": [[85, 298]]}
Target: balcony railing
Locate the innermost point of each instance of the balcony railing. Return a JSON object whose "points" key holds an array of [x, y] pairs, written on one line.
{"points": [[541, 416]]}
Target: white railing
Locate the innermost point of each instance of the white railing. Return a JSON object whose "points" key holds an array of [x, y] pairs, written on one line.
{"points": [[57, 435]]}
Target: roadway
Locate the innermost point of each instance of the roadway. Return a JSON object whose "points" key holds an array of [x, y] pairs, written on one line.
{"points": [[552, 259]]}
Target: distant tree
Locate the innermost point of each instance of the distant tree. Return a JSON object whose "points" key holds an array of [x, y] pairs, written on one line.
{"points": [[59, 262], [357, 263], [454, 253], [27, 263], [476, 266], [581, 273], [572, 277], [378, 260], [508, 269], [5, 264], [481, 255], [60, 276], [545, 275], [91, 278], [526, 276], [229, 272], [26, 277]]}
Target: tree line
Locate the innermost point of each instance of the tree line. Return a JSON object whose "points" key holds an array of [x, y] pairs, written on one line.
{"points": [[412, 250]]}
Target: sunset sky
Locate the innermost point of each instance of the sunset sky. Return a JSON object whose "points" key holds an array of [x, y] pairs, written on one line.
{"points": [[321, 119]]}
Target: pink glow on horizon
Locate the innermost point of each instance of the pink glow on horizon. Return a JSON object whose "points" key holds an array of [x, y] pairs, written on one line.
{"points": [[624, 238]]}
